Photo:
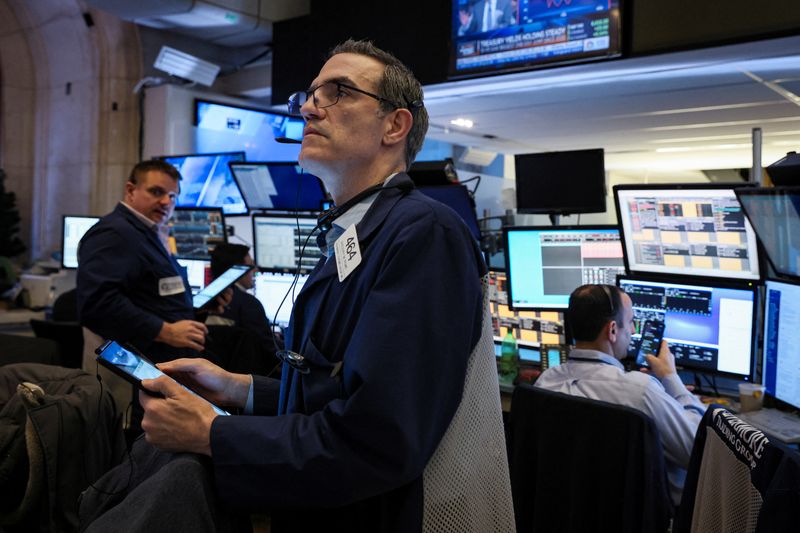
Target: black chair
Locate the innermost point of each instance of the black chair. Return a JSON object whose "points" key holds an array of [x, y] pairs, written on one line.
{"points": [[68, 335], [584, 465], [738, 480], [22, 349]]}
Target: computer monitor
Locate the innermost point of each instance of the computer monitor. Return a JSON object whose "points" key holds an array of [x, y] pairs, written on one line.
{"points": [[272, 288], [775, 216], [709, 325], [561, 182], [686, 230], [279, 241], [198, 272], [73, 227], [207, 181], [457, 198], [194, 232], [544, 264], [529, 353], [780, 370], [278, 186]]}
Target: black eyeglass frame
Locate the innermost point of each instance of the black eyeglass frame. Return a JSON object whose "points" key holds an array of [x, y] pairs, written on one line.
{"points": [[294, 108]]}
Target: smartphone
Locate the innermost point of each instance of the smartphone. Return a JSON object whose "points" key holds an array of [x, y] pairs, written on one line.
{"points": [[134, 367], [216, 287], [652, 334]]}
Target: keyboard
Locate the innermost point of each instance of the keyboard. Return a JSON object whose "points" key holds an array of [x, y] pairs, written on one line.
{"points": [[783, 426]]}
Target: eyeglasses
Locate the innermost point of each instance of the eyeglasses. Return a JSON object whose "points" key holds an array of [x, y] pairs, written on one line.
{"points": [[328, 94]]}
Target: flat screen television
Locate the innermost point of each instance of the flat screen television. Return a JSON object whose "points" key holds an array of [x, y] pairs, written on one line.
{"points": [[780, 369], [710, 325], [73, 228], [544, 264], [491, 36], [195, 231], [278, 187], [686, 230], [457, 198], [275, 292], [230, 128], [207, 181], [775, 216], [286, 243], [561, 183]]}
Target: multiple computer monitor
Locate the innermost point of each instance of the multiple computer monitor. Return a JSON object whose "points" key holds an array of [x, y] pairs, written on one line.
{"points": [[194, 232]]}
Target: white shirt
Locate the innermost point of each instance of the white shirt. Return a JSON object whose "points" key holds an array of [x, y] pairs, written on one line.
{"points": [[675, 411]]}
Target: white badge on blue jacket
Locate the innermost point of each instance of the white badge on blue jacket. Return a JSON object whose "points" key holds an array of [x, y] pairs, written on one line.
{"points": [[347, 252], [170, 286]]}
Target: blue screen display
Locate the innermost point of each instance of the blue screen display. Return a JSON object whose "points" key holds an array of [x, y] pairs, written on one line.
{"points": [[707, 327], [544, 265], [278, 186], [781, 364], [501, 34], [207, 181], [775, 216], [227, 128]]}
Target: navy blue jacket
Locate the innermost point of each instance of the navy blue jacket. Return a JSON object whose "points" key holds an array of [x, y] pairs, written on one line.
{"points": [[348, 452], [121, 261], [248, 313]]}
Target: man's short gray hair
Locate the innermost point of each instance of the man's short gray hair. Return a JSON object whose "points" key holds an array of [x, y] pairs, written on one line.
{"points": [[397, 84]]}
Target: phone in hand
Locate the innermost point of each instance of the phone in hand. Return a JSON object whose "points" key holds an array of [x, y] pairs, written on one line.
{"points": [[134, 367], [216, 287], [652, 335]]}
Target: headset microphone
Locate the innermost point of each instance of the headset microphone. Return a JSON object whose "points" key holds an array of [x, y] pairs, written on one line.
{"points": [[288, 140]]}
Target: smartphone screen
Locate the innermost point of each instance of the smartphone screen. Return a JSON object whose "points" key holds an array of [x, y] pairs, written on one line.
{"points": [[134, 367], [652, 332], [553, 357], [213, 289]]}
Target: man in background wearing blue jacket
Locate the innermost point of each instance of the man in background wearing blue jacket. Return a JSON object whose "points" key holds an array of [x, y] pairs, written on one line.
{"points": [[130, 288]]}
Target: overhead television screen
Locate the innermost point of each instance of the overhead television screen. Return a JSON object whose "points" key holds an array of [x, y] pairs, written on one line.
{"points": [[503, 35], [686, 230], [225, 127], [207, 181]]}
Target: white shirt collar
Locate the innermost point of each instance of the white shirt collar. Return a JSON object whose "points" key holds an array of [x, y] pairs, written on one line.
{"points": [[582, 353]]}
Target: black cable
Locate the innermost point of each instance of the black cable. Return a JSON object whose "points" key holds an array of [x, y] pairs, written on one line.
{"points": [[474, 189]]}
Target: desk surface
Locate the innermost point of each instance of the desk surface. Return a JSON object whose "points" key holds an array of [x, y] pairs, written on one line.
{"points": [[17, 321]]}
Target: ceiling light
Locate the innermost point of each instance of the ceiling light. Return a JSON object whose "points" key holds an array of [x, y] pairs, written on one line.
{"points": [[186, 66], [462, 122]]}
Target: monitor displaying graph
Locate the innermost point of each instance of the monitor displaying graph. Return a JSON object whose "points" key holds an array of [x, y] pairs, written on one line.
{"points": [[710, 327], [545, 264], [286, 243], [686, 230]]}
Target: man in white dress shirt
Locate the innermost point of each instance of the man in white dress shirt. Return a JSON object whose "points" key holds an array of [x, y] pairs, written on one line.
{"points": [[601, 319]]}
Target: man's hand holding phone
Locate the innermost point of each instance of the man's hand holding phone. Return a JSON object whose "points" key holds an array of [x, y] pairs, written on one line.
{"points": [[178, 422], [210, 381], [664, 364]]}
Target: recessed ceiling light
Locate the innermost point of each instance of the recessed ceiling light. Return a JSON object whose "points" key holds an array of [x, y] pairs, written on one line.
{"points": [[462, 122]]}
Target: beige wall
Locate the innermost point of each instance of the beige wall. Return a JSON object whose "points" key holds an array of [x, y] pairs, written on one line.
{"points": [[68, 117]]}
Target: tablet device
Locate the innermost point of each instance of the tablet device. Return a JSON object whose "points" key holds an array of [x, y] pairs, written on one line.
{"points": [[213, 289], [652, 333], [135, 367]]}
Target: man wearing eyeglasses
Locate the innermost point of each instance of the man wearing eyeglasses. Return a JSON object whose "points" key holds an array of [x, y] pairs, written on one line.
{"points": [[601, 319], [129, 287], [388, 416]]}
